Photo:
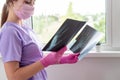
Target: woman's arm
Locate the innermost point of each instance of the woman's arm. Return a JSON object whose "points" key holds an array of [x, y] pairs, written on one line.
{"points": [[14, 72]]}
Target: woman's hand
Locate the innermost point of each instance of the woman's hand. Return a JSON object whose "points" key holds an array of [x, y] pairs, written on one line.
{"points": [[53, 57], [71, 58]]}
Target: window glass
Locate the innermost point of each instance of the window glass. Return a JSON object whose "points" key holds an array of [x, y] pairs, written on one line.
{"points": [[50, 14]]}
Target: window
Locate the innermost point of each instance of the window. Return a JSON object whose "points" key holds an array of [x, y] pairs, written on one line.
{"points": [[112, 25], [50, 14], [103, 14]]}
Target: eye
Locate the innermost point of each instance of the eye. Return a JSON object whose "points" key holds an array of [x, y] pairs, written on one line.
{"points": [[27, 2]]}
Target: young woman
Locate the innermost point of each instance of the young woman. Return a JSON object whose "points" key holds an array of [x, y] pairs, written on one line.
{"points": [[21, 53]]}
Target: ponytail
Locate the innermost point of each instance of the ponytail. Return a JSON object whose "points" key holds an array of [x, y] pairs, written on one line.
{"points": [[4, 14]]}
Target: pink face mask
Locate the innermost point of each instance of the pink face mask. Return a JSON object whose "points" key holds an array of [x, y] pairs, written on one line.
{"points": [[25, 11]]}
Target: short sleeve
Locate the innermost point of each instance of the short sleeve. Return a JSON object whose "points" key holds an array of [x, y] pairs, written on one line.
{"points": [[11, 46]]}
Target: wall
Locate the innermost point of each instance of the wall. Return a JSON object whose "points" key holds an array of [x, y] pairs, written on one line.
{"points": [[87, 69], [90, 68], [2, 72]]}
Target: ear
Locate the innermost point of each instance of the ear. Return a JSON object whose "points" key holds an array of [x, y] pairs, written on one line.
{"points": [[11, 3]]}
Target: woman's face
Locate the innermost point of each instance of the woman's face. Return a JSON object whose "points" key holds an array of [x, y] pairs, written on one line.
{"points": [[18, 3]]}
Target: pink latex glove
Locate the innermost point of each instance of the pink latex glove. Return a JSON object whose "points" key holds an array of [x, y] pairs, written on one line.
{"points": [[53, 57], [71, 58]]}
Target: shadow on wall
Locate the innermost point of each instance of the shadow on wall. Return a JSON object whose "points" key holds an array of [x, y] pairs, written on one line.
{"points": [[2, 72], [87, 69]]}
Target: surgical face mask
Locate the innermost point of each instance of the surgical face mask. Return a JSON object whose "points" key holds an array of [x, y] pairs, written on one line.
{"points": [[25, 11]]}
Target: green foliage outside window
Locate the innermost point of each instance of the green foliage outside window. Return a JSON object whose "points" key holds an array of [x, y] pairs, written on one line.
{"points": [[46, 26]]}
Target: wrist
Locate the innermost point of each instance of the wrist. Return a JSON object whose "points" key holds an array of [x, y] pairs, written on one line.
{"points": [[40, 64], [43, 62]]}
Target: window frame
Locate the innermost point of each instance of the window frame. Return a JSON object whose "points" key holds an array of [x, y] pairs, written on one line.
{"points": [[108, 10], [111, 25]]}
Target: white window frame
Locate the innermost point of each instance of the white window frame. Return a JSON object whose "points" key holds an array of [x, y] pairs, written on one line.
{"points": [[112, 25]]}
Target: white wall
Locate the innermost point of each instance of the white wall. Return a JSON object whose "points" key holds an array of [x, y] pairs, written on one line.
{"points": [[90, 68], [87, 69], [2, 72]]}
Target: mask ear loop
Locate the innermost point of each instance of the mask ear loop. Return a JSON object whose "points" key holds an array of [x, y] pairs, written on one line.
{"points": [[9, 3], [32, 2]]}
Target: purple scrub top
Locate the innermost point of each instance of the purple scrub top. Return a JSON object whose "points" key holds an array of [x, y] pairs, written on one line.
{"points": [[18, 43]]}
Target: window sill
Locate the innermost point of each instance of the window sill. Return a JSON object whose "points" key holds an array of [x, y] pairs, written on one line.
{"points": [[95, 54], [104, 54]]}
